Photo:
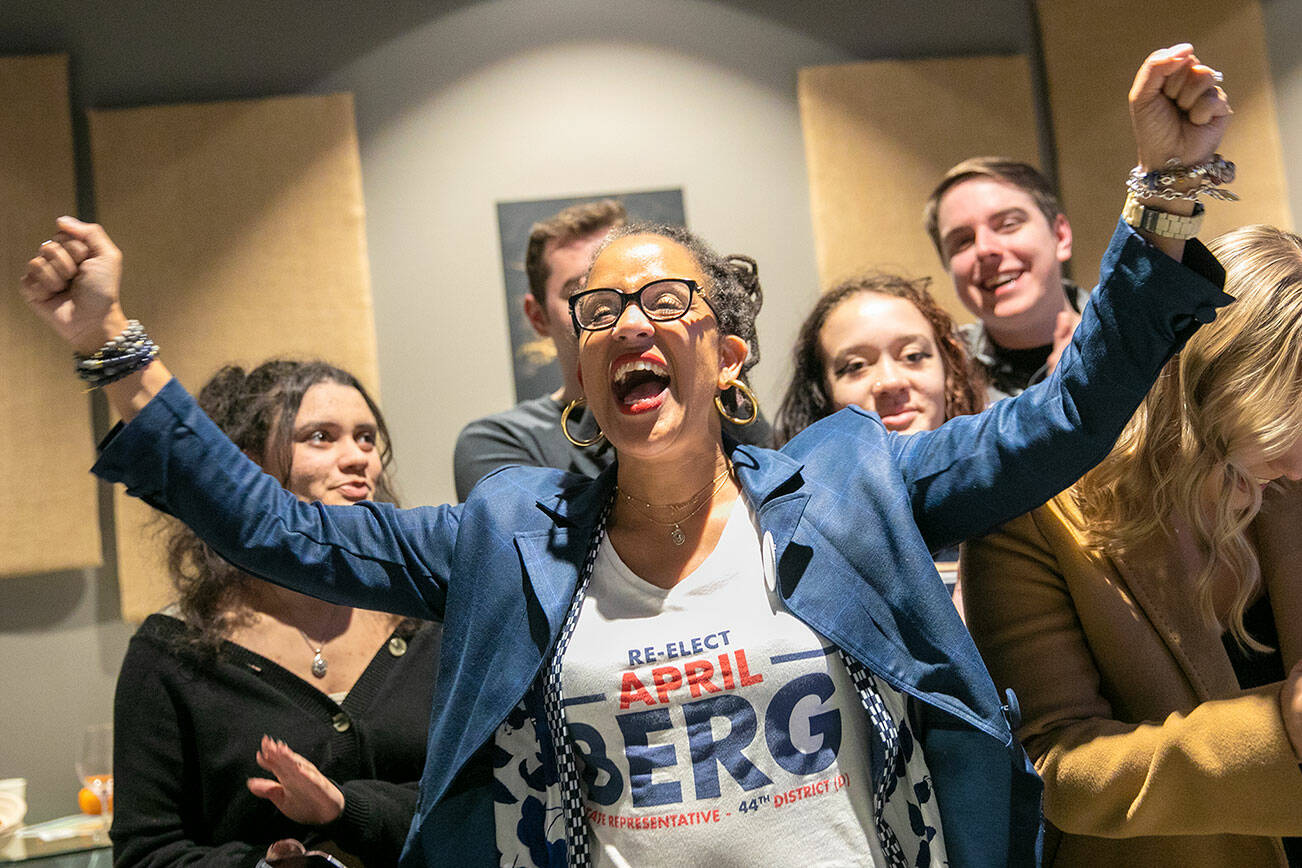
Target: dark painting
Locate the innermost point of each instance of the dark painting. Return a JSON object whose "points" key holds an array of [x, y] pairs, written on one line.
{"points": [[534, 360]]}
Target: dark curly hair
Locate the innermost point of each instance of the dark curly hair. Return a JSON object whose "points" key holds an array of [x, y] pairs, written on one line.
{"points": [[256, 409], [807, 399], [732, 288]]}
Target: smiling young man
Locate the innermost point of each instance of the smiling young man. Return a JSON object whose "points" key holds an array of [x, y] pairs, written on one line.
{"points": [[1003, 238]]}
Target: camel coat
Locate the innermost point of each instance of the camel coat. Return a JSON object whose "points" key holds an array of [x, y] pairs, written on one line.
{"points": [[1151, 754]]}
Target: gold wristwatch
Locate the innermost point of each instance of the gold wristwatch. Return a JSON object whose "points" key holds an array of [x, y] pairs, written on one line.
{"points": [[1162, 223]]}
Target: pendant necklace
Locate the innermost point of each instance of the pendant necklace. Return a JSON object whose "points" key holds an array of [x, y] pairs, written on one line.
{"points": [[319, 665], [675, 530]]}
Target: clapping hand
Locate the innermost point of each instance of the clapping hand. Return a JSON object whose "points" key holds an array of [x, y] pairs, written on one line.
{"points": [[300, 791]]}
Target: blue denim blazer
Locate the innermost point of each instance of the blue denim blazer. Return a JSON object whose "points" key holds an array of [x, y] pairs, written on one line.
{"points": [[853, 509]]}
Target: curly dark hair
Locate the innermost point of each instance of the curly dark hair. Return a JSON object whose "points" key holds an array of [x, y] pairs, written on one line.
{"points": [[732, 289], [807, 399], [256, 409]]}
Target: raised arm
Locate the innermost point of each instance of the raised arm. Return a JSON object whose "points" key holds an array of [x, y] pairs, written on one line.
{"points": [[1178, 113], [170, 454], [74, 283], [1155, 290]]}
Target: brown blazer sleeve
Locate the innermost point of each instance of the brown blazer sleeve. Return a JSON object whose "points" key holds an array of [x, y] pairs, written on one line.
{"points": [[1124, 743]]}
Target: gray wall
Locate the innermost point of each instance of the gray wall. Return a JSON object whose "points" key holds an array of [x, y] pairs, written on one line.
{"points": [[61, 643], [459, 105], [629, 96], [1284, 47]]}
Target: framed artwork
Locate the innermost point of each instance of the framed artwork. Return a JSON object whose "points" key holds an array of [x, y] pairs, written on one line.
{"points": [[533, 358]]}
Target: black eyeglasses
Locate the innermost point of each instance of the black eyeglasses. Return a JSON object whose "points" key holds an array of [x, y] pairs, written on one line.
{"points": [[661, 300]]}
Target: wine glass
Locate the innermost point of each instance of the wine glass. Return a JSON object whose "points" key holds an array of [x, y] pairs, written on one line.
{"points": [[95, 765]]}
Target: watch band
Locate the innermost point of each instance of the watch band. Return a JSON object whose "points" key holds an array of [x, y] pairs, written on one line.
{"points": [[1162, 223]]}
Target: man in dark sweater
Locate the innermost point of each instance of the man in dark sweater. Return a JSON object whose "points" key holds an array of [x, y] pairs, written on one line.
{"points": [[557, 257], [1001, 233]]}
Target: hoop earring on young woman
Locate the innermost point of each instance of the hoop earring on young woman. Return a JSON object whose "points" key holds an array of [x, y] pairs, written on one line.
{"points": [[750, 398], [565, 426]]}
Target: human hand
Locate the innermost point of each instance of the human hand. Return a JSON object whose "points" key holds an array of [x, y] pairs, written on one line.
{"points": [[72, 283], [1177, 110], [300, 791], [285, 847], [1290, 706], [289, 853], [1063, 329]]}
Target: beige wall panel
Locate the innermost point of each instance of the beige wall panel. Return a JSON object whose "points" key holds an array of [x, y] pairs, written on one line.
{"points": [[879, 135], [243, 230], [54, 524], [1091, 60]]}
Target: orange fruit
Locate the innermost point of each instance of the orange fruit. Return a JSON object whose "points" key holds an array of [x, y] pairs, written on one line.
{"points": [[89, 801]]}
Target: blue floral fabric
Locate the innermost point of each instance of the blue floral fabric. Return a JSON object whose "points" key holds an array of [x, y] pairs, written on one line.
{"points": [[530, 826]]}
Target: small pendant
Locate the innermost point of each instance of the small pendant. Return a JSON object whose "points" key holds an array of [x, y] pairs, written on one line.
{"points": [[319, 665], [677, 535]]}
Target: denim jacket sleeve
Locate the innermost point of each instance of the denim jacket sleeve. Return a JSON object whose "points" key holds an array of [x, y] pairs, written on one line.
{"points": [[370, 555], [976, 472]]}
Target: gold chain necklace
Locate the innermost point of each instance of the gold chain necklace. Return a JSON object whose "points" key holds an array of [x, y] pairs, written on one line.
{"points": [[675, 530], [682, 504]]}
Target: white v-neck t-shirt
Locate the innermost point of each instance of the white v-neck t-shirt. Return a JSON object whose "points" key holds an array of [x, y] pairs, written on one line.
{"points": [[714, 727]]}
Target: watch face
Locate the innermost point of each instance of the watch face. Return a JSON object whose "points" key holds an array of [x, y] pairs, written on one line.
{"points": [[1152, 220]]}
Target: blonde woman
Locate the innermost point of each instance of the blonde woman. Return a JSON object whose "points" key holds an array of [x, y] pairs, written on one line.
{"points": [[1150, 618]]}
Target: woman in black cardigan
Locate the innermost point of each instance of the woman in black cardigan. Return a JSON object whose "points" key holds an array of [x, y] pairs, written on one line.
{"points": [[242, 677]]}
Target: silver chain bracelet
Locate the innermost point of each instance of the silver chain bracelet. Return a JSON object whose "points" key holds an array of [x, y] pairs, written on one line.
{"points": [[1210, 174]]}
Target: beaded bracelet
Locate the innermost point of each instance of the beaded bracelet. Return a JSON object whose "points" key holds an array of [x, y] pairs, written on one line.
{"points": [[121, 356], [1159, 184]]}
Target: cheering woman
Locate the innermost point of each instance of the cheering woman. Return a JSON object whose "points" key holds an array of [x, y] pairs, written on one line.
{"points": [[710, 651]]}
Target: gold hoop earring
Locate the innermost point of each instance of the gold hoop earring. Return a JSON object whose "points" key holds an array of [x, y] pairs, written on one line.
{"points": [[565, 426], [750, 398]]}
